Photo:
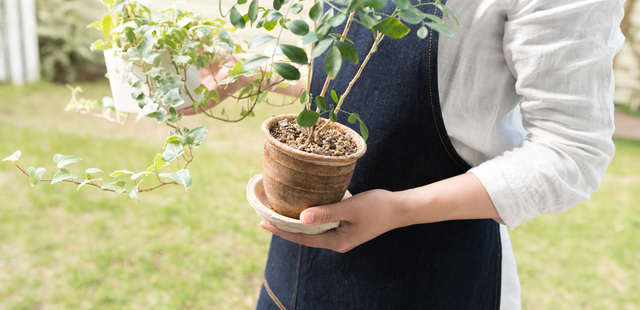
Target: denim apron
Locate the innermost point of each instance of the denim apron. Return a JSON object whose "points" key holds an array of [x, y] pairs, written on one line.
{"points": [[445, 265]]}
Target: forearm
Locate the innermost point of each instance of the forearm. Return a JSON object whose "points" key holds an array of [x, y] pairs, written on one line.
{"points": [[457, 198]]}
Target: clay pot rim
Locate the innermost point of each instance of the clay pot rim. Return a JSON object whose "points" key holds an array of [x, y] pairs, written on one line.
{"points": [[357, 139]]}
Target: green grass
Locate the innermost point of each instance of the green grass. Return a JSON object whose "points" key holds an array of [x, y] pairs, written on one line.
{"points": [[66, 249]]}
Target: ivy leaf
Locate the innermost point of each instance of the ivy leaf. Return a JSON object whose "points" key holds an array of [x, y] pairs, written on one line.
{"points": [[146, 110], [139, 174], [260, 40], [298, 27], [172, 98], [118, 173], [286, 70], [172, 150], [117, 186], [319, 48], [236, 18], [308, 118], [64, 173], [196, 136], [87, 181], [35, 175], [392, 28], [133, 193], [181, 177], [348, 52], [106, 23], [158, 163], [402, 4], [316, 11], [181, 61], [160, 116], [253, 11], [321, 103], [254, 62], [14, 157], [89, 172], [295, 53], [333, 62], [63, 160]]}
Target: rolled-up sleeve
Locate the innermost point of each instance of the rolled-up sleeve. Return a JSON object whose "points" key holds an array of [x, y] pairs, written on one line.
{"points": [[560, 53]]}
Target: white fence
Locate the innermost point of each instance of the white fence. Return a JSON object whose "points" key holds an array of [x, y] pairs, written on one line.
{"points": [[19, 59]]}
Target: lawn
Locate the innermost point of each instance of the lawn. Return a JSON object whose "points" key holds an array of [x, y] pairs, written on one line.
{"points": [[62, 248]]}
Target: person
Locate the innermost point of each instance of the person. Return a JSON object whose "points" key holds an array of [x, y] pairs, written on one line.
{"points": [[510, 118]]}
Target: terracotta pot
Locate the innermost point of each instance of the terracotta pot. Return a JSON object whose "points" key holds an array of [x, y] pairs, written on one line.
{"points": [[295, 180]]}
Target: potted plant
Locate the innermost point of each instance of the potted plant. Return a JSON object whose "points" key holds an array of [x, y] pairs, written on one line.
{"points": [[302, 151]]}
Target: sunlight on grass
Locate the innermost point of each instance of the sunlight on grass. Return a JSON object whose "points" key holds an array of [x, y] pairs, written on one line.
{"points": [[66, 249]]}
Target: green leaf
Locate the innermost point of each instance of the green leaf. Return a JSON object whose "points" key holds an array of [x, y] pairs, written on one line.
{"points": [[118, 173], [315, 13], [236, 18], [411, 16], [377, 4], [423, 32], [392, 28], [298, 27], [321, 103], [118, 186], [296, 8], [172, 98], [304, 97], [242, 2], [196, 136], [308, 38], [89, 172], [160, 116], [260, 40], [355, 5], [334, 96], [295, 53], [320, 47], [337, 20], [348, 52], [308, 118], [14, 157], [146, 110], [181, 177], [286, 70], [63, 160], [253, 11], [158, 163], [181, 61], [342, 37], [352, 119], [333, 62], [442, 29], [213, 94], [402, 4], [365, 19], [106, 23], [434, 18], [133, 193], [273, 16], [172, 150], [139, 174], [64, 173], [87, 181], [254, 62], [332, 116], [364, 131], [277, 4], [35, 175]]}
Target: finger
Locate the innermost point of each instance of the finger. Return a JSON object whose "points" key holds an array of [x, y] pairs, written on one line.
{"points": [[326, 240], [324, 214]]}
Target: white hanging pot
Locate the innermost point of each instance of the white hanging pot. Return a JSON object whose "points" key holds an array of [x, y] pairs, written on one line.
{"points": [[121, 91]]}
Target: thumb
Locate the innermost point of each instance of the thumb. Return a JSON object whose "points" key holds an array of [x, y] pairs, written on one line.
{"points": [[320, 215]]}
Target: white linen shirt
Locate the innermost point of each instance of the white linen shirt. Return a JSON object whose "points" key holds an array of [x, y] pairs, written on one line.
{"points": [[526, 90]]}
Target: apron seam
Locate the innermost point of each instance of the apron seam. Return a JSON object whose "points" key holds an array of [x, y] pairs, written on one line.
{"points": [[294, 295]]}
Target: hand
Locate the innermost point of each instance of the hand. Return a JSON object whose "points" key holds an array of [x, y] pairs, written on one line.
{"points": [[363, 217]]}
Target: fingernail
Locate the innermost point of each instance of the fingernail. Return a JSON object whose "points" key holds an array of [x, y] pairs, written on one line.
{"points": [[306, 217]]}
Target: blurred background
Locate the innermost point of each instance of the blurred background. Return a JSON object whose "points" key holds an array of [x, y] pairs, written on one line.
{"points": [[62, 248]]}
